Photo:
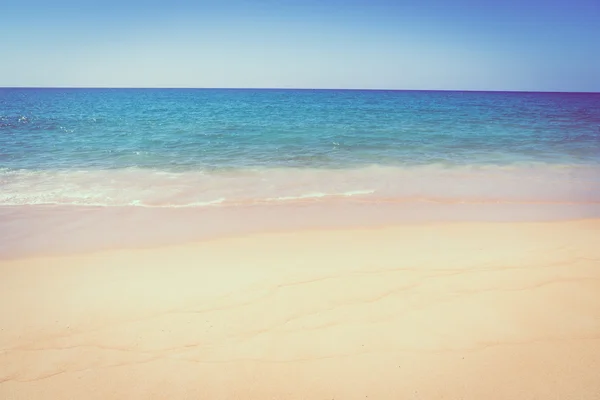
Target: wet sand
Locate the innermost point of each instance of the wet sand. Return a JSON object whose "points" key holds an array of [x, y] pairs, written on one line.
{"points": [[491, 310]]}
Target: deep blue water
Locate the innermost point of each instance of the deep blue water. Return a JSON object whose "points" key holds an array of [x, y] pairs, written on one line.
{"points": [[60, 135]]}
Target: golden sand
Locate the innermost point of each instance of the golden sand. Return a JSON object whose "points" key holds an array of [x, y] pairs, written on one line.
{"points": [[435, 311]]}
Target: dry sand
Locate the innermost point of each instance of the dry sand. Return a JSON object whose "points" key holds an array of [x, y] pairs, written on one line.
{"points": [[447, 311]]}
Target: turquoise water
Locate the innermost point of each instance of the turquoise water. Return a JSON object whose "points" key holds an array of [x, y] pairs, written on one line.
{"points": [[179, 147]]}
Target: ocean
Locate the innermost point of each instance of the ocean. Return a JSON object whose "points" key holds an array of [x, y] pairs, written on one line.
{"points": [[119, 163]]}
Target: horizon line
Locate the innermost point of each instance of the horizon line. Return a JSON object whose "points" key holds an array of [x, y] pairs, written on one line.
{"points": [[297, 88]]}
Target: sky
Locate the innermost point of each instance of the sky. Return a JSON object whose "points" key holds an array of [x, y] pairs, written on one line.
{"points": [[523, 45]]}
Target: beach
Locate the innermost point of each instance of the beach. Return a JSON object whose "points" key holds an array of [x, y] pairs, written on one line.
{"points": [[299, 200], [420, 310], [299, 244]]}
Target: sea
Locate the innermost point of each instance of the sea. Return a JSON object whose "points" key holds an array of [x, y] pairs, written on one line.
{"points": [[90, 169]]}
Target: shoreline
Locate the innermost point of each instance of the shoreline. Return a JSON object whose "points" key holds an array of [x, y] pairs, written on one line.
{"points": [[369, 229], [436, 310], [37, 231]]}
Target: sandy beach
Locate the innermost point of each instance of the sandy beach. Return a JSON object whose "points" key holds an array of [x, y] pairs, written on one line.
{"points": [[420, 311]]}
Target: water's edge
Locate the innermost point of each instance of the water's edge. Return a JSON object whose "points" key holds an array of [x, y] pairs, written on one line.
{"points": [[29, 231]]}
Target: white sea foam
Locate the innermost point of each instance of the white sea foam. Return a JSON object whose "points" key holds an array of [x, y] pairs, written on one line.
{"points": [[148, 188], [320, 195]]}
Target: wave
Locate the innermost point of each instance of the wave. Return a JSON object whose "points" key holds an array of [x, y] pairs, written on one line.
{"points": [[152, 188]]}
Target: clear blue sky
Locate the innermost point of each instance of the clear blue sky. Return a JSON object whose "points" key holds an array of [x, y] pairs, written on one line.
{"points": [[544, 45]]}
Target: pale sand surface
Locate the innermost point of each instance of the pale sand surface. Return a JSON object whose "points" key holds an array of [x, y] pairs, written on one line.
{"points": [[446, 311]]}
